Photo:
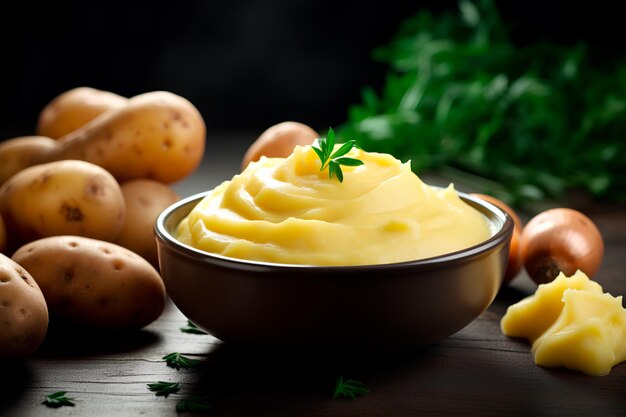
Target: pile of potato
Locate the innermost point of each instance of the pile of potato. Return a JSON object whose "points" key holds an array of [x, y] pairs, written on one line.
{"points": [[77, 207]]}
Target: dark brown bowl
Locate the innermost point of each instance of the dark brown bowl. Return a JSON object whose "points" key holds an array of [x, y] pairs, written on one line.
{"points": [[391, 306]]}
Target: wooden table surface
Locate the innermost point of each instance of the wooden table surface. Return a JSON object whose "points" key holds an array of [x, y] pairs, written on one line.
{"points": [[477, 371]]}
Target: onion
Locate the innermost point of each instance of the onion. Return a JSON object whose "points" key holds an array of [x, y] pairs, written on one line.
{"points": [[514, 264], [561, 240]]}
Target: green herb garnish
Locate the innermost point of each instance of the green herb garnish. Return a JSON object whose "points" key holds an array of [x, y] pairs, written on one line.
{"points": [[517, 121], [163, 388], [177, 360], [58, 399], [193, 404], [349, 388], [334, 160], [192, 328]]}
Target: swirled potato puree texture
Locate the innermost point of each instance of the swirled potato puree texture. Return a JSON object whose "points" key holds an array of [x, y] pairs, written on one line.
{"points": [[285, 210]]}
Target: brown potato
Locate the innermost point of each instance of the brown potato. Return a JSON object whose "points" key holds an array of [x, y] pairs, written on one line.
{"points": [[158, 135], [3, 236], [94, 283], [23, 311], [145, 200], [279, 141], [63, 197], [23, 152], [75, 108]]}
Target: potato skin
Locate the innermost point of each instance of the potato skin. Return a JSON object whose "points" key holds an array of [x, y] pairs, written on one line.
{"points": [[3, 236], [278, 141], [157, 135], [145, 200], [93, 283], [23, 311], [63, 197], [74, 108], [23, 152]]}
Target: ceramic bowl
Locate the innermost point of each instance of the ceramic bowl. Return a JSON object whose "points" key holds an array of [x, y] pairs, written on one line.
{"points": [[402, 305]]}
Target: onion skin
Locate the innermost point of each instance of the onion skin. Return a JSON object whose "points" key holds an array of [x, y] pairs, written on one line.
{"points": [[503, 206], [514, 264], [561, 240]]}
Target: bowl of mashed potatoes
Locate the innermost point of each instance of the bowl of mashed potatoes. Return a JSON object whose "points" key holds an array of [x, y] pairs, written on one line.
{"points": [[284, 255]]}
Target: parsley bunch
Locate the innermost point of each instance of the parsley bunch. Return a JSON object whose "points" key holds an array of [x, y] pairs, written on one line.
{"points": [[518, 122]]}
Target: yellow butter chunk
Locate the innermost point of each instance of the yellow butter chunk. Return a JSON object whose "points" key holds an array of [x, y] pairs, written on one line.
{"points": [[571, 323], [287, 210], [533, 315], [589, 335]]}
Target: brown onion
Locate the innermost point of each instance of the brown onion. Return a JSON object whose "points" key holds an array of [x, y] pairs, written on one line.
{"points": [[514, 264], [561, 240]]}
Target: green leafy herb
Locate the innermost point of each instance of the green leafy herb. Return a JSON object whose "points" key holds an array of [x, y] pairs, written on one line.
{"points": [[193, 404], [334, 160], [163, 388], [192, 328], [58, 399], [349, 388], [177, 360], [520, 122]]}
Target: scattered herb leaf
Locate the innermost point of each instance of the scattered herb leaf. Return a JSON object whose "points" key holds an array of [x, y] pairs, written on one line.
{"points": [[58, 399], [193, 404], [349, 388], [177, 360], [334, 160], [164, 388], [192, 328]]}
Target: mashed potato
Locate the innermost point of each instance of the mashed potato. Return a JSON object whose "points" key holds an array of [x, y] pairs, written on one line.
{"points": [[285, 210]]}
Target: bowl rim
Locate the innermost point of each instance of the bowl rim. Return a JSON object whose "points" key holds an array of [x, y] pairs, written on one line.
{"points": [[503, 234]]}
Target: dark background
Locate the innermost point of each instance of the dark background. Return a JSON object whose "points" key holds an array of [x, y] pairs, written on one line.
{"points": [[246, 64]]}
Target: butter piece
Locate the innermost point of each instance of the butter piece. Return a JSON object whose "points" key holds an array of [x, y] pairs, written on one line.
{"points": [[571, 323], [533, 315], [589, 335]]}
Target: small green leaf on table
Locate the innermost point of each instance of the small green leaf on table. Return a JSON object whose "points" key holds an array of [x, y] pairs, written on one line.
{"points": [[58, 399], [178, 360], [349, 388], [163, 388], [193, 404]]}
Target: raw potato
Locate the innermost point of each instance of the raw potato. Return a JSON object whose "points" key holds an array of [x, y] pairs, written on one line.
{"points": [[23, 311], [63, 197], [23, 152], [75, 108], [279, 141], [93, 283], [145, 200], [157, 135]]}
